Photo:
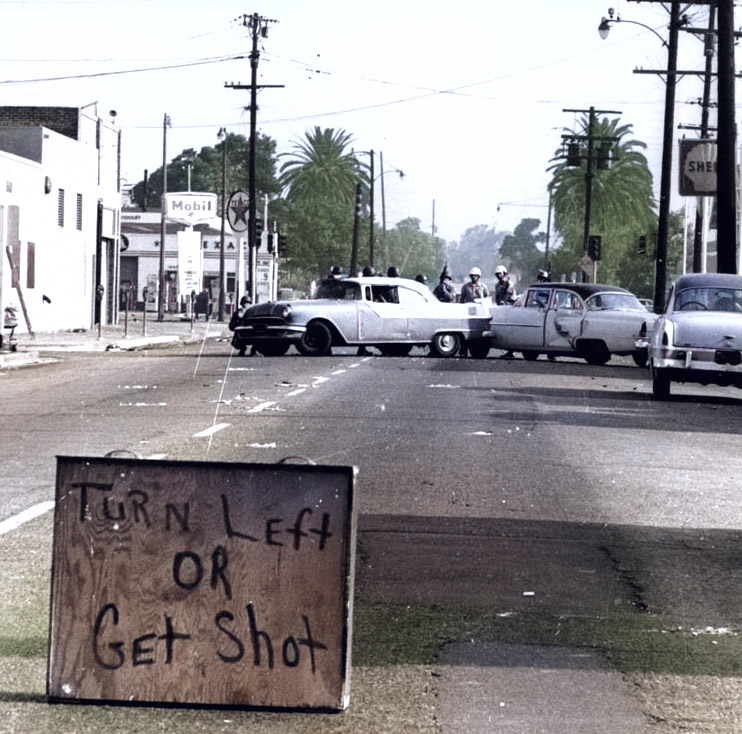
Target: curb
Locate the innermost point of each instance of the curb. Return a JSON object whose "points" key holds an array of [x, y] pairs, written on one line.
{"points": [[141, 343]]}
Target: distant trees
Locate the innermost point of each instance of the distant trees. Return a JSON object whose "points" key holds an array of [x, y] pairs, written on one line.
{"points": [[520, 251], [206, 171]]}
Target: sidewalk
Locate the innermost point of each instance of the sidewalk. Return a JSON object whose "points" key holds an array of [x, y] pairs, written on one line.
{"points": [[137, 334]]}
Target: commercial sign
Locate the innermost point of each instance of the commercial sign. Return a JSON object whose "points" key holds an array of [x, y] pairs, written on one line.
{"points": [[202, 583], [698, 167], [237, 211], [190, 263], [190, 207]]}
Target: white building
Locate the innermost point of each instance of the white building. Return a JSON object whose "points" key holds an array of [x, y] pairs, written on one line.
{"points": [[59, 217]]}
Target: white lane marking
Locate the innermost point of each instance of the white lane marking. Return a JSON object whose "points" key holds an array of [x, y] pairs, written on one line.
{"points": [[447, 387], [261, 407], [262, 445], [12, 523], [157, 456], [211, 430], [294, 393], [142, 405], [338, 372], [319, 380]]}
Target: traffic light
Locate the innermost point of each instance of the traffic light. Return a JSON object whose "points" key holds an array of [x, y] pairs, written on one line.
{"points": [[258, 228], [604, 156], [642, 246], [270, 242], [283, 249], [573, 154], [593, 247]]}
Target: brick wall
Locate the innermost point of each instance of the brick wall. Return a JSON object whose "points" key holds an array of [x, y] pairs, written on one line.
{"points": [[63, 120]]}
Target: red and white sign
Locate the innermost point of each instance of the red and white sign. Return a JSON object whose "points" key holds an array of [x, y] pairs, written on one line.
{"points": [[190, 207]]}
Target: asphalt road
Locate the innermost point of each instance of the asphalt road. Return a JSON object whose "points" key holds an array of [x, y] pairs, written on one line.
{"points": [[507, 503]]}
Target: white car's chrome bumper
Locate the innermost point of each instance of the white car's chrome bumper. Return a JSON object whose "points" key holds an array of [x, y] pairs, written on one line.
{"points": [[700, 360]]}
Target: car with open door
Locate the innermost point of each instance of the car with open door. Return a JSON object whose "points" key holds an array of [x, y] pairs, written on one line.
{"points": [[586, 320]]}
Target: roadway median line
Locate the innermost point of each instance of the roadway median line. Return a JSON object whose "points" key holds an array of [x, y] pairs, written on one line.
{"points": [[13, 523]]}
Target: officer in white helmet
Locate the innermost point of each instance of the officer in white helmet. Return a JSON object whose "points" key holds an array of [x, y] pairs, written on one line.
{"points": [[474, 289], [504, 289]]}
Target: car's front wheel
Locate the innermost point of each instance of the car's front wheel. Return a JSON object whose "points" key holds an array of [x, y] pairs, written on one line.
{"points": [[597, 356], [530, 356], [446, 345], [660, 384], [316, 341]]}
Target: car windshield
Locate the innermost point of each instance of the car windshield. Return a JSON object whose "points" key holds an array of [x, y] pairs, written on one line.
{"points": [[709, 299], [614, 302]]}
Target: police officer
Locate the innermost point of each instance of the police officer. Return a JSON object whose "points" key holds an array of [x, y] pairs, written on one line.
{"points": [[504, 289], [474, 288], [445, 291]]}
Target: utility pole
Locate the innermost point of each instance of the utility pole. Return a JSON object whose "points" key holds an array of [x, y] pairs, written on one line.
{"points": [[163, 228], [726, 180], [699, 265], [258, 28], [371, 204], [353, 270], [574, 159]]}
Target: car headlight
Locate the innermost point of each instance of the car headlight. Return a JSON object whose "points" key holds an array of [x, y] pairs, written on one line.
{"points": [[286, 311]]}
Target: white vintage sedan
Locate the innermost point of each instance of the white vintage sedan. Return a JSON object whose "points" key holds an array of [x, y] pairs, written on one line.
{"points": [[586, 320], [391, 314], [699, 337]]}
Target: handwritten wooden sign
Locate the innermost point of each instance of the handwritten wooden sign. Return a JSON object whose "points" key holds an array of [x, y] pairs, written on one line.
{"points": [[202, 583]]}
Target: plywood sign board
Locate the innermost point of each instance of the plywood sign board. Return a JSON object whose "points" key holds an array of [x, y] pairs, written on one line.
{"points": [[202, 583]]}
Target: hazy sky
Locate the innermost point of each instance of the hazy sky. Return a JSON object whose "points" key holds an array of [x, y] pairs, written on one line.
{"points": [[466, 98]]}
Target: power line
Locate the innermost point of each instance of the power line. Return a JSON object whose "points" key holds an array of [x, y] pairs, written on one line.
{"points": [[201, 62]]}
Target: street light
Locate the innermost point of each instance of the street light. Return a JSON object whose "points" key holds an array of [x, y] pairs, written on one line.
{"points": [[605, 26], [660, 279], [222, 135], [383, 204]]}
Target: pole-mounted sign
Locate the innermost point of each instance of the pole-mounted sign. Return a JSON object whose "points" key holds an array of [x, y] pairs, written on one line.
{"points": [[237, 211], [698, 165], [190, 207]]}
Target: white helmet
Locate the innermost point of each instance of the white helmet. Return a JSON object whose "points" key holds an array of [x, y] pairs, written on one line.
{"points": [[501, 269], [475, 271]]}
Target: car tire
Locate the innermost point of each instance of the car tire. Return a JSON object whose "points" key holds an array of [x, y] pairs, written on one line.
{"points": [[446, 344], [640, 359], [660, 384], [597, 357], [395, 350], [530, 356], [273, 349], [479, 348], [316, 341]]}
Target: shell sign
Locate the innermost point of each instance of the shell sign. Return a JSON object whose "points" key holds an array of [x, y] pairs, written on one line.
{"points": [[190, 207], [698, 167]]}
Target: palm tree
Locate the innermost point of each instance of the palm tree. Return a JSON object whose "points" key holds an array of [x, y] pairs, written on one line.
{"points": [[322, 167], [319, 179], [622, 204]]}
